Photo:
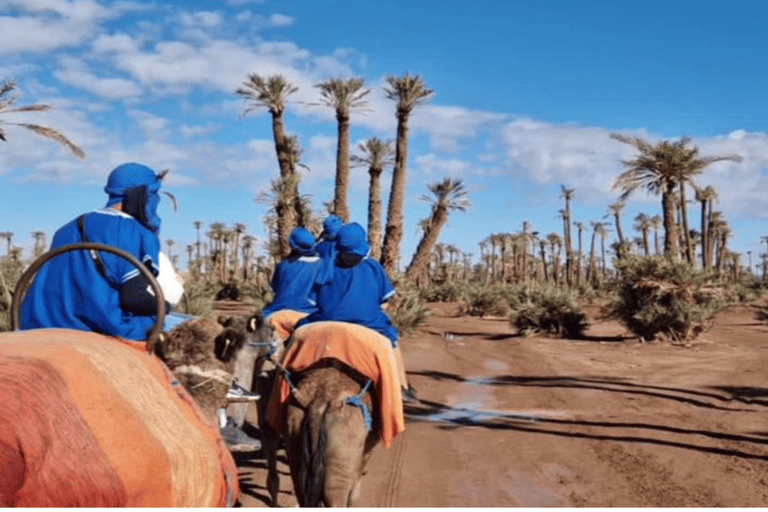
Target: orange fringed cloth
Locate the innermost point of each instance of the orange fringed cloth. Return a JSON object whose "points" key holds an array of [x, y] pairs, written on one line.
{"points": [[95, 421], [284, 321], [361, 348]]}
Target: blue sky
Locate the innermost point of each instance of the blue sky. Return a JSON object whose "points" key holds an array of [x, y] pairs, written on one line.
{"points": [[526, 95]]}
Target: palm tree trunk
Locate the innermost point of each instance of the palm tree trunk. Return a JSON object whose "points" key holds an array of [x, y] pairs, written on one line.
{"points": [[686, 231], [342, 168], [374, 211], [421, 256], [393, 235], [668, 198], [285, 212]]}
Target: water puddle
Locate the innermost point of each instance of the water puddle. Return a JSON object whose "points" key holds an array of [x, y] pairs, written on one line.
{"points": [[464, 415]]}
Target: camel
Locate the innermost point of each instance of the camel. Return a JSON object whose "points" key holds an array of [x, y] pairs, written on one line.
{"points": [[93, 420], [336, 396]]}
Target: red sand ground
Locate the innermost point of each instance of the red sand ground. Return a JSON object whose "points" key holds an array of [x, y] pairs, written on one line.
{"points": [[508, 421]]}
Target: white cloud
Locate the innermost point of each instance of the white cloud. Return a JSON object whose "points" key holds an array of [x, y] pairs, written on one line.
{"points": [[77, 75], [281, 20], [202, 19], [25, 34]]}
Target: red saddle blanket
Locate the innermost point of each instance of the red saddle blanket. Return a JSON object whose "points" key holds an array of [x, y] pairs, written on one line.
{"points": [[361, 348], [94, 421]]}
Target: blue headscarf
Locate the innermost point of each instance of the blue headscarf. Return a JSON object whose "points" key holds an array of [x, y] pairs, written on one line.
{"points": [[136, 187], [351, 239], [331, 226], [301, 241]]}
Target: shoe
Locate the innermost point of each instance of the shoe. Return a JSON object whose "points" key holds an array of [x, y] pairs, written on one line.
{"points": [[237, 393], [409, 395], [237, 440]]}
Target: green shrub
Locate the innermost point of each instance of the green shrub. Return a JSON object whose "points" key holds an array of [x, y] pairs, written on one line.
{"points": [[663, 298], [198, 297], [547, 309], [450, 291], [10, 273], [486, 300], [406, 308]]}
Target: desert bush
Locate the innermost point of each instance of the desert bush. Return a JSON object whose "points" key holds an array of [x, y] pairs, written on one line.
{"points": [[10, 272], [449, 291], [762, 314], [198, 297], [486, 300], [662, 298], [547, 309], [406, 308]]}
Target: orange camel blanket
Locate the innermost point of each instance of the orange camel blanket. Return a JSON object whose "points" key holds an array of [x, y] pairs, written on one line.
{"points": [[90, 420], [359, 347]]}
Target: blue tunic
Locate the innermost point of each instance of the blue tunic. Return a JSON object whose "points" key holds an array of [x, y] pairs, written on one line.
{"points": [[69, 292], [355, 295], [293, 285]]}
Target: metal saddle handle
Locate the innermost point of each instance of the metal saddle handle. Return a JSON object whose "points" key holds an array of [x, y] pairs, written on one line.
{"points": [[26, 279]]}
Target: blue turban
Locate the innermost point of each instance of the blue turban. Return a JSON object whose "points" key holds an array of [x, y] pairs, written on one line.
{"points": [[136, 187], [331, 226], [351, 239], [302, 241]]}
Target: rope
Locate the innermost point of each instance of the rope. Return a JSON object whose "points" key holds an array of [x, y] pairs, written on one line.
{"points": [[272, 348], [284, 370], [357, 401], [209, 375]]}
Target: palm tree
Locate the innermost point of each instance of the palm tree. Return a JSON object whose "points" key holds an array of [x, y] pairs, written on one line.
{"points": [[6, 107], [449, 195], [526, 235], [376, 154], [602, 232], [248, 243], [343, 96], [555, 245], [170, 244], [655, 225], [580, 230], [39, 248], [272, 94], [660, 169], [616, 209], [643, 225], [8, 236], [705, 196], [198, 224], [409, 91], [190, 251], [567, 194], [238, 230]]}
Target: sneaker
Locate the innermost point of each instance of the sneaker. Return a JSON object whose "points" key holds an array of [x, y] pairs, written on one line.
{"points": [[237, 393], [237, 440], [409, 395]]}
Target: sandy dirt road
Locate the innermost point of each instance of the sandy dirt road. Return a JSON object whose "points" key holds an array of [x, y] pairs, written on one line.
{"points": [[537, 422]]}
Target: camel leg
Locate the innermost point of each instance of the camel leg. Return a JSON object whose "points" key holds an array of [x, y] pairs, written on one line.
{"points": [[244, 369], [270, 442]]}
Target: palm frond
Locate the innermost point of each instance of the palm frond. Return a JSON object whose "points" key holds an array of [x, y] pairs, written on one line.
{"points": [[52, 134]]}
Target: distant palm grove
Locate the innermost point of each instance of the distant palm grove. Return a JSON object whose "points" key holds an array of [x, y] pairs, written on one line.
{"points": [[582, 260]]}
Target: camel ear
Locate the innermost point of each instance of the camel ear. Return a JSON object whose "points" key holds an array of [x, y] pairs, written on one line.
{"points": [[222, 320], [254, 323], [228, 344]]}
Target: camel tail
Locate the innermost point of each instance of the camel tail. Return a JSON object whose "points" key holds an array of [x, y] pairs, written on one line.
{"points": [[312, 464]]}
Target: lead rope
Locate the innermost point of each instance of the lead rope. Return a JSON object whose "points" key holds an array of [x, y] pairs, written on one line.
{"points": [[357, 401], [283, 370]]}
